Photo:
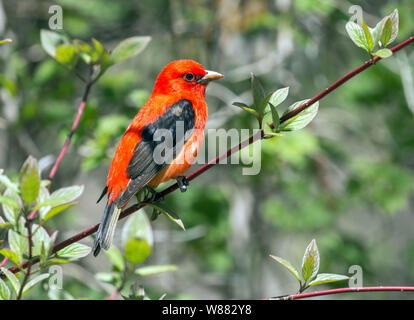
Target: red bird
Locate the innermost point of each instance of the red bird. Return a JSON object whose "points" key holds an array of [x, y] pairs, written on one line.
{"points": [[177, 101]]}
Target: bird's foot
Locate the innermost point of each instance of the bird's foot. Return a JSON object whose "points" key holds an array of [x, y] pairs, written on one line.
{"points": [[152, 195], [183, 183]]}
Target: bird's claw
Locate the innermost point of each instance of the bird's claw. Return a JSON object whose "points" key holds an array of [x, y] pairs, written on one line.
{"points": [[152, 196], [183, 183]]}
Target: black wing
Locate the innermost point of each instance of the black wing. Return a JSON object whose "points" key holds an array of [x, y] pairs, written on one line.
{"points": [[147, 160]]}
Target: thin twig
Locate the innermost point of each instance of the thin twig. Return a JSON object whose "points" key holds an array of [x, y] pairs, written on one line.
{"points": [[83, 234], [75, 124], [343, 290], [30, 262]]}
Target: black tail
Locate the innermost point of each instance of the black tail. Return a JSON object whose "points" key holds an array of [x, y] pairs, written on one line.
{"points": [[106, 230]]}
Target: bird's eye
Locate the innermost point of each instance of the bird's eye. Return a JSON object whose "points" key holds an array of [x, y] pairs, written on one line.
{"points": [[189, 77]]}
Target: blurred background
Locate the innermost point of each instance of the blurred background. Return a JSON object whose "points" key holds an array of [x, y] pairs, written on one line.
{"points": [[347, 180]]}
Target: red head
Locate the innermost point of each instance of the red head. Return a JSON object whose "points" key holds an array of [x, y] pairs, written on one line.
{"points": [[184, 77]]}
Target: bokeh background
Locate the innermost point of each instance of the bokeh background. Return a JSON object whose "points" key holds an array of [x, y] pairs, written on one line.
{"points": [[347, 180]]}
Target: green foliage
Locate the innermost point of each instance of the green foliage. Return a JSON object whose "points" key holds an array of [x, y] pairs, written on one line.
{"points": [[24, 203], [381, 35], [310, 268], [137, 242]]}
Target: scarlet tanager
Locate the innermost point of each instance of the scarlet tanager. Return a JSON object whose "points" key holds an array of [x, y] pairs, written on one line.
{"points": [[178, 97]]}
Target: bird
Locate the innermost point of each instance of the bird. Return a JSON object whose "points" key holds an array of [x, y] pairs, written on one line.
{"points": [[176, 109]]}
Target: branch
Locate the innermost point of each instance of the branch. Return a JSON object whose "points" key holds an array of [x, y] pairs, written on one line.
{"points": [[342, 290], [30, 262], [75, 124], [259, 135]]}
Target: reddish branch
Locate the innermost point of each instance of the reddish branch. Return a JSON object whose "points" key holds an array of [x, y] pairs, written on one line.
{"points": [[72, 131], [226, 154], [342, 290]]}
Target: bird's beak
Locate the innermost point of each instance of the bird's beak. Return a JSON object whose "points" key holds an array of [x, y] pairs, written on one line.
{"points": [[210, 76]]}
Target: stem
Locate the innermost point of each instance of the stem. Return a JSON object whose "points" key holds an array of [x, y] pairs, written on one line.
{"points": [[30, 262], [259, 135], [343, 290], [75, 124]]}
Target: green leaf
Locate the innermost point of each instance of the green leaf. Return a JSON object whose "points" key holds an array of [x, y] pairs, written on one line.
{"points": [[275, 117], [4, 291], [55, 210], [67, 54], [279, 96], [34, 281], [9, 201], [246, 108], [357, 35], [137, 226], [169, 213], [55, 261], [11, 212], [310, 262], [74, 251], [128, 48], [302, 119], [368, 36], [383, 53], [63, 196], [137, 250], [13, 280], [11, 255], [395, 21], [18, 244], [257, 90], [115, 256], [326, 278], [288, 266], [85, 50], [151, 270], [108, 277], [9, 185], [29, 180], [51, 40], [386, 32], [377, 31]]}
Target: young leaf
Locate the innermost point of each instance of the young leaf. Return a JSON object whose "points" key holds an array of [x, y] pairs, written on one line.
{"points": [[383, 53], [275, 117], [13, 280], [4, 291], [377, 31], [128, 48], [67, 54], [258, 92], [11, 212], [386, 32], [115, 256], [151, 270], [279, 96], [395, 21], [63, 196], [288, 266], [74, 251], [18, 244], [9, 185], [29, 180], [137, 250], [10, 254], [357, 35], [302, 119], [326, 278], [51, 40], [368, 36], [137, 226], [310, 262], [169, 213], [55, 210], [245, 107], [34, 281]]}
